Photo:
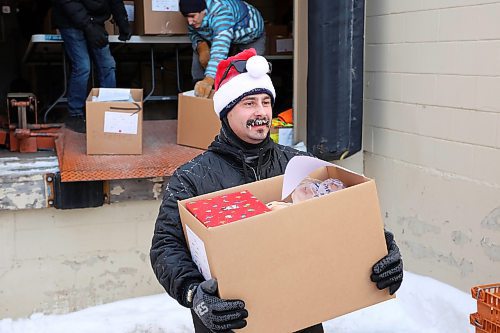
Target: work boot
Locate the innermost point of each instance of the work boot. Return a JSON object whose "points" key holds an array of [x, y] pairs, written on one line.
{"points": [[76, 124]]}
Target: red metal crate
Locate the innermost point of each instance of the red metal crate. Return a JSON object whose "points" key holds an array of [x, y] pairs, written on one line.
{"points": [[483, 325], [488, 301]]}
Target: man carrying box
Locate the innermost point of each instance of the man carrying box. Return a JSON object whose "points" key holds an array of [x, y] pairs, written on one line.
{"points": [[81, 24], [242, 153], [214, 27]]}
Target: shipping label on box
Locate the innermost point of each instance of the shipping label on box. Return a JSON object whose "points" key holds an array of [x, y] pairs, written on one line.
{"points": [[304, 244], [165, 5], [118, 122], [198, 253]]}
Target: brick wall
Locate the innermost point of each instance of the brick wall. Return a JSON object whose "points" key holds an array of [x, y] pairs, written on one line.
{"points": [[432, 132], [55, 261]]}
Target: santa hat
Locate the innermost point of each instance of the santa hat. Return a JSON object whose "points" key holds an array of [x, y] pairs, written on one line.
{"points": [[234, 86]]}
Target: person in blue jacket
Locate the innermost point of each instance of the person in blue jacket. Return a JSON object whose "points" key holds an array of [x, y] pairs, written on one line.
{"points": [[215, 27]]}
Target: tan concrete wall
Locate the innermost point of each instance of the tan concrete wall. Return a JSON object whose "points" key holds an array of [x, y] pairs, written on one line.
{"points": [[56, 261], [432, 132]]}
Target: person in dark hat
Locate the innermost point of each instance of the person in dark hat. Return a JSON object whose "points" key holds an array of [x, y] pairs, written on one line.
{"points": [[243, 152], [215, 27], [81, 24]]}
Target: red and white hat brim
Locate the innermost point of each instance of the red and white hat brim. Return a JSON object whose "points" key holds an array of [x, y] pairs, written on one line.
{"points": [[238, 86]]}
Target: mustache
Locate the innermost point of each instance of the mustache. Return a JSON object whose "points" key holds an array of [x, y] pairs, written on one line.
{"points": [[258, 122]]}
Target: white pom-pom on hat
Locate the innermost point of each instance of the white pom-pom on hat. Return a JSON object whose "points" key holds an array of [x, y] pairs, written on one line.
{"points": [[257, 66]]}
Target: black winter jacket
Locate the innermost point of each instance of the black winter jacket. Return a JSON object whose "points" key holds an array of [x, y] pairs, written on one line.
{"points": [[79, 13], [221, 167]]}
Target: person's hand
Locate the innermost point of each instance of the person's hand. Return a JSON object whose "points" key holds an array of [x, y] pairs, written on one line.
{"points": [[125, 31], [204, 87], [388, 271], [203, 53], [218, 315], [96, 35]]}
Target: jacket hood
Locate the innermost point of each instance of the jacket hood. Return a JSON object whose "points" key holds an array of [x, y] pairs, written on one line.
{"points": [[231, 147]]}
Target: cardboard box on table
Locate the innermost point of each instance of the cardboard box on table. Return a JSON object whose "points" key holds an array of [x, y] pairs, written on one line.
{"points": [[197, 122], [297, 266], [153, 18], [114, 127]]}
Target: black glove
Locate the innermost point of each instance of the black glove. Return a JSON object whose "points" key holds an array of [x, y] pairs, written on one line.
{"points": [[96, 35], [125, 32], [388, 271], [218, 315]]}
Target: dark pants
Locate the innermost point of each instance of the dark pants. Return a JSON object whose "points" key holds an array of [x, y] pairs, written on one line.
{"points": [[80, 55], [200, 328]]}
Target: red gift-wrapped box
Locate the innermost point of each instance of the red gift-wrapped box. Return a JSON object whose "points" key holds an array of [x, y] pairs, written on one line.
{"points": [[226, 208]]}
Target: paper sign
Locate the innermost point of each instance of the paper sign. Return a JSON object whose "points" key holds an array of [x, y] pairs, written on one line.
{"points": [[198, 253], [297, 169], [165, 5], [130, 12], [113, 94], [122, 123]]}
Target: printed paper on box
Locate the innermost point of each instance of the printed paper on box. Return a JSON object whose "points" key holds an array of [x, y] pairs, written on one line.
{"points": [[113, 94], [122, 123], [165, 5], [198, 253]]}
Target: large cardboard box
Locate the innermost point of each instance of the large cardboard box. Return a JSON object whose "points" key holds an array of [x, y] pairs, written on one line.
{"points": [[197, 122], [153, 18], [114, 127], [300, 265]]}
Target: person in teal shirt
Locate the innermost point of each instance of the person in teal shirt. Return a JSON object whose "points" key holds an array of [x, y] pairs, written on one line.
{"points": [[215, 27]]}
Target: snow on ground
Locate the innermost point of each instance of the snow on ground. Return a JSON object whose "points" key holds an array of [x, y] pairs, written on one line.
{"points": [[422, 305]]}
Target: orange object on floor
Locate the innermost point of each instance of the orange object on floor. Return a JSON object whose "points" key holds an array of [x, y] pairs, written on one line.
{"points": [[487, 317], [286, 116], [161, 156]]}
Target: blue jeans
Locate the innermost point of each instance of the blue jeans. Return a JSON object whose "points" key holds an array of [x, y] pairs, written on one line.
{"points": [[79, 54]]}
